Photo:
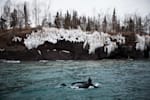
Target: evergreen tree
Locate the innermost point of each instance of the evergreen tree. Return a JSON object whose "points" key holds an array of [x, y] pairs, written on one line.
{"points": [[75, 21], [139, 25], [83, 23], [131, 25], [104, 24], [118, 27], [45, 23], [114, 21], [88, 28], [14, 18], [67, 21], [57, 20], [3, 23]]}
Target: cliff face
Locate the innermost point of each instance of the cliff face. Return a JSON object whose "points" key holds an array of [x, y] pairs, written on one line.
{"points": [[61, 45], [64, 50]]}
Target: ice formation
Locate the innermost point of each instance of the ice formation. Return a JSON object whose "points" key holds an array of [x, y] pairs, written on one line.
{"points": [[17, 39], [119, 38], [143, 42], [65, 51], [94, 40], [111, 47]]}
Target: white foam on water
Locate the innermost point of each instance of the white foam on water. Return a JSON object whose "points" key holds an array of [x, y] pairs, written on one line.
{"points": [[11, 61], [43, 61]]}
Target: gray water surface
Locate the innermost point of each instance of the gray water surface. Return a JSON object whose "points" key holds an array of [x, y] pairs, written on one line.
{"points": [[119, 80]]}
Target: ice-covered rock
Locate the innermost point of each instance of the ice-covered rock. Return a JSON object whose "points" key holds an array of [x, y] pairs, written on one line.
{"points": [[143, 41], [119, 38], [110, 47], [17, 39], [93, 40]]}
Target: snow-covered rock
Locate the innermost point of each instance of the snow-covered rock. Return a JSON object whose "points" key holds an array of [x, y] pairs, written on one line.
{"points": [[142, 42], [110, 47], [93, 40], [119, 38], [17, 39], [140, 45]]}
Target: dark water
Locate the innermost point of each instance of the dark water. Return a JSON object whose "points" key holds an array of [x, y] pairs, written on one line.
{"points": [[119, 79]]}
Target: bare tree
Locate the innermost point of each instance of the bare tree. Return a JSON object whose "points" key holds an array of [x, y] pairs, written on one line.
{"points": [[36, 11], [6, 14], [20, 15], [146, 26], [46, 20]]}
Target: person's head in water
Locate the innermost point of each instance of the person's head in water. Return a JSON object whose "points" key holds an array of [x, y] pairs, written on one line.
{"points": [[89, 81]]}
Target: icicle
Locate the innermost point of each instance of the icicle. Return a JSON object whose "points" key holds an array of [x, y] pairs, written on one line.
{"points": [[140, 45], [52, 35]]}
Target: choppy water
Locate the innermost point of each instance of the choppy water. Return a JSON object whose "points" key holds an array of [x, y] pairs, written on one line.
{"points": [[120, 80]]}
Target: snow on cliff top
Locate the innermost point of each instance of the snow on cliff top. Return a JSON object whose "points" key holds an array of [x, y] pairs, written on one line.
{"points": [[94, 40]]}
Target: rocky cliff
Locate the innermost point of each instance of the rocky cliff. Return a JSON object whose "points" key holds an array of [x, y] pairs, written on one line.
{"points": [[60, 44]]}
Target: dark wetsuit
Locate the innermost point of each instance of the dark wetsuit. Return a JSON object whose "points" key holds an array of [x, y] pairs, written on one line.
{"points": [[85, 84]]}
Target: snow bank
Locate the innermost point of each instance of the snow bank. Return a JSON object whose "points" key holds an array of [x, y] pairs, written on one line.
{"points": [[94, 40]]}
